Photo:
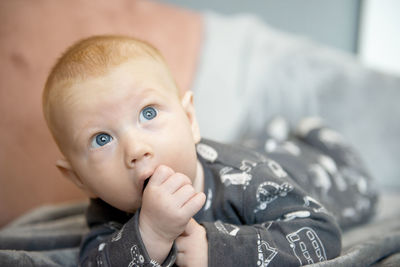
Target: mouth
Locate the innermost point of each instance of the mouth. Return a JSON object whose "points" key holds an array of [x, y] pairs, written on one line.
{"points": [[145, 183]]}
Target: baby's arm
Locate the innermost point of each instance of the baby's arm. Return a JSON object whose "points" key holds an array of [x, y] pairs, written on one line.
{"points": [[110, 243]]}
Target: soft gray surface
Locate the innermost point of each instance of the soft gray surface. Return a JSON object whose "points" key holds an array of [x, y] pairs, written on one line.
{"points": [[47, 236]]}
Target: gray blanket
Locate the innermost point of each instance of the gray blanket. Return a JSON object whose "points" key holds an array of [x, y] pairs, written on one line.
{"points": [[50, 236], [46, 236]]}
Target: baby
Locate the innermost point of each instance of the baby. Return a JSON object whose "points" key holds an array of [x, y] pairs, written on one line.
{"points": [[131, 142]]}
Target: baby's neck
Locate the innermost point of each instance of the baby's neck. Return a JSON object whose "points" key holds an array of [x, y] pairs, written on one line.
{"points": [[198, 182]]}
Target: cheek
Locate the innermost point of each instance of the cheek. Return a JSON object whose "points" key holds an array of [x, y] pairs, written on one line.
{"points": [[100, 173], [181, 156], [174, 145]]}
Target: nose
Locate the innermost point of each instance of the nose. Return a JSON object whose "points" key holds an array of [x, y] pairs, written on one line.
{"points": [[137, 151]]}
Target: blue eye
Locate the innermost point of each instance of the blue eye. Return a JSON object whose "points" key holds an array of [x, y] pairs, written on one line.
{"points": [[101, 140], [148, 113]]}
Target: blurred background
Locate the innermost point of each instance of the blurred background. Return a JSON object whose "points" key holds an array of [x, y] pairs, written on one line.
{"points": [[369, 29]]}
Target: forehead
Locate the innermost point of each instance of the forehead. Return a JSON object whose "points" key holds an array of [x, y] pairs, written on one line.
{"points": [[132, 75]]}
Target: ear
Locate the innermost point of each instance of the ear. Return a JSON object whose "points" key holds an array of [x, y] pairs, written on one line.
{"points": [[188, 106], [68, 172]]}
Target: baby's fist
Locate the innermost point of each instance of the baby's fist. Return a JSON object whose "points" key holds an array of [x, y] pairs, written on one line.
{"points": [[169, 201]]}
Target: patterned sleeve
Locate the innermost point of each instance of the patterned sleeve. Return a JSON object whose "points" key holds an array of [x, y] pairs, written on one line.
{"points": [[112, 244], [280, 225]]}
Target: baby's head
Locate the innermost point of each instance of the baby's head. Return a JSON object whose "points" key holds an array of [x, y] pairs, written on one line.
{"points": [[116, 114]]}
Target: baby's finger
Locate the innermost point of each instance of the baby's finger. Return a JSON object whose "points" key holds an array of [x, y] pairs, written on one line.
{"points": [[194, 204], [190, 227], [161, 174], [184, 194], [180, 259], [180, 244], [175, 182]]}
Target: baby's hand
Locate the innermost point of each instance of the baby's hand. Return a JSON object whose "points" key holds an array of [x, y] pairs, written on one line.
{"points": [[168, 203], [192, 246]]}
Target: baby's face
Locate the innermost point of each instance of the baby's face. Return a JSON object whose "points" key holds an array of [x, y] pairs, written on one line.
{"points": [[120, 127]]}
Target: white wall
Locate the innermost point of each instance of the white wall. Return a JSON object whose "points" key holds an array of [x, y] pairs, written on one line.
{"points": [[379, 43]]}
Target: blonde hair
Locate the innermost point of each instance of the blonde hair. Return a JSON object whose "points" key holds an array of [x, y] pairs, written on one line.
{"points": [[89, 58]]}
